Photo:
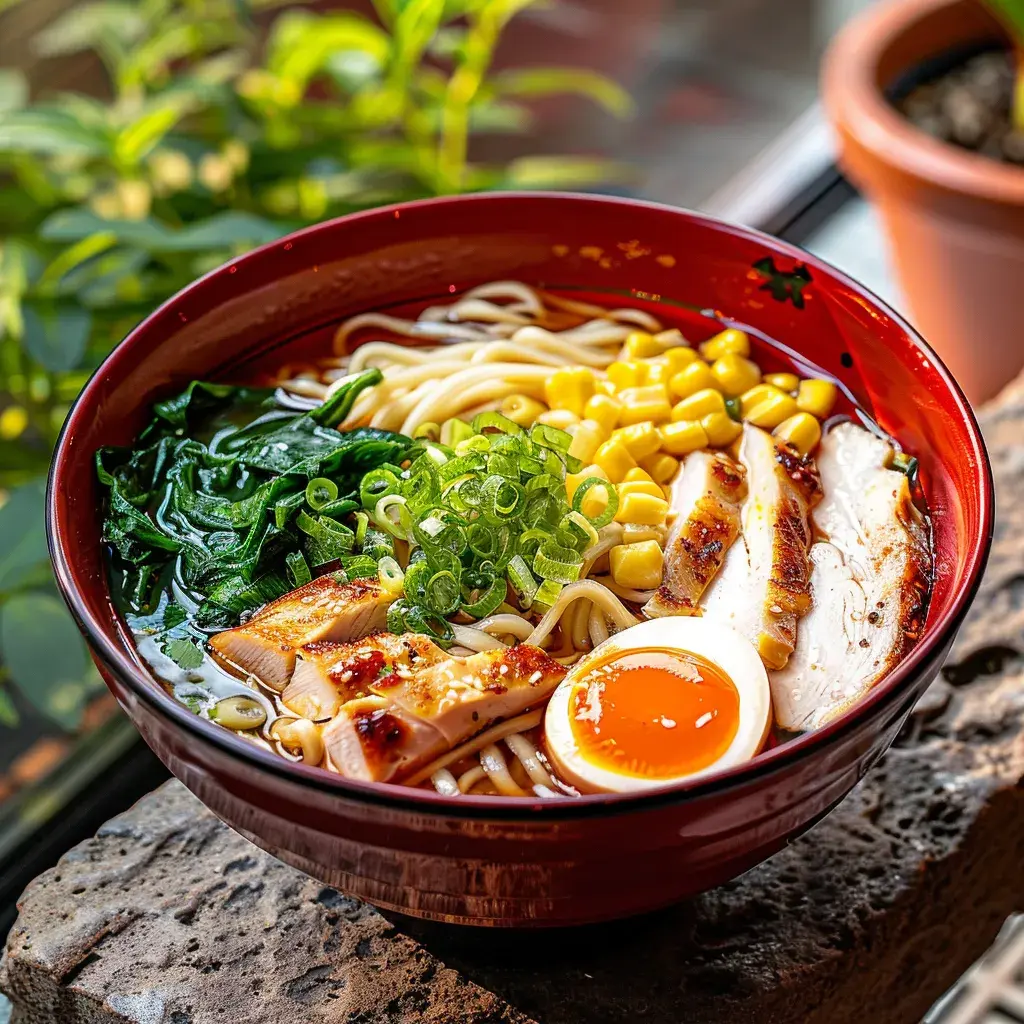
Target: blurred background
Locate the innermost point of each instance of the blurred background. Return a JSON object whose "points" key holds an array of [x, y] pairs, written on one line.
{"points": [[143, 143]]}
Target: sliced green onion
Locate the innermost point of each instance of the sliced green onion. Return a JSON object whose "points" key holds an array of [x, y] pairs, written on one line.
{"points": [[554, 562], [522, 581], [443, 593], [396, 616], [359, 567], [473, 462], [376, 484], [529, 542], [486, 602], [362, 520], [298, 570], [455, 430], [430, 431], [572, 464], [503, 499], [338, 508], [608, 513], [578, 526], [547, 595], [391, 514], [417, 576], [495, 421], [391, 577], [377, 544], [422, 620], [734, 407], [550, 437], [543, 482], [319, 492]]}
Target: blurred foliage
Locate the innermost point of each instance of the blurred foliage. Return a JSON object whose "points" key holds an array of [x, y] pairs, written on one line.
{"points": [[217, 135], [1011, 13]]}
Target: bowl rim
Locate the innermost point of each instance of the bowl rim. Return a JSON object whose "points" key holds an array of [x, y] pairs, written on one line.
{"points": [[141, 684]]}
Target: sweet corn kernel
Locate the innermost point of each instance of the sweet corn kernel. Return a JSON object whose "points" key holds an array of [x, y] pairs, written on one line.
{"points": [[721, 429], [573, 480], [641, 345], [729, 340], [695, 377], [637, 533], [569, 388], [604, 410], [614, 458], [604, 387], [661, 467], [802, 431], [645, 509], [645, 403], [682, 437], [783, 381], [640, 487], [735, 374], [594, 502], [679, 359], [701, 403], [771, 410], [658, 371], [561, 418], [640, 439], [638, 475], [589, 436], [522, 409], [755, 395], [629, 374], [637, 566], [816, 397]]}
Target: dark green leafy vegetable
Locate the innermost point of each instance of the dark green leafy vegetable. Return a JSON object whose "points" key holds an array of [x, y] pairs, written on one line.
{"points": [[218, 493]]}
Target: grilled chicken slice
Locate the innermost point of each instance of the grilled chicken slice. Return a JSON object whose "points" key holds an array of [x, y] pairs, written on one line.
{"points": [[415, 716], [762, 589], [706, 499], [324, 609], [869, 582], [328, 673]]}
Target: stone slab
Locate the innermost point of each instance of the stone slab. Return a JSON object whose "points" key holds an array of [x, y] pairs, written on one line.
{"points": [[167, 917]]}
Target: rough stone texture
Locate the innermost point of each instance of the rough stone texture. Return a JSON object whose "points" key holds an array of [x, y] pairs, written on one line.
{"points": [[167, 917]]}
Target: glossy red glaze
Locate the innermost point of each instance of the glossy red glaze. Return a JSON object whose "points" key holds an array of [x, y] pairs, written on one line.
{"points": [[490, 860]]}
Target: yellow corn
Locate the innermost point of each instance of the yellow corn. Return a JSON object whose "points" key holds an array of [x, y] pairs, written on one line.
{"points": [[682, 437], [662, 468], [816, 397], [640, 487], [679, 359], [522, 409], [756, 394], [641, 345], [658, 371], [735, 374], [640, 439], [569, 388], [695, 377], [589, 436], [645, 509], [604, 387], [770, 409], [604, 410], [561, 418], [701, 403], [638, 475], [629, 374], [783, 381], [614, 458], [636, 533], [573, 480], [644, 403], [637, 566], [802, 431], [721, 429], [729, 340]]}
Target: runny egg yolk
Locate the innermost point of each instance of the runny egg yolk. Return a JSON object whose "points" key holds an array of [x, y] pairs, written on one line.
{"points": [[654, 714]]}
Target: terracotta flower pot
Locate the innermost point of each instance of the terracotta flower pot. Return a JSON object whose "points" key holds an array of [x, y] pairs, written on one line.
{"points": [[955, 219]]}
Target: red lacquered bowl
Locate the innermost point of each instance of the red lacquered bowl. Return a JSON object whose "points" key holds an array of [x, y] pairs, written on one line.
{"points": [[491, 860]]}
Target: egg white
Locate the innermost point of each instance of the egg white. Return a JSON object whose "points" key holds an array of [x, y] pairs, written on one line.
{"points": [[718, 644]]}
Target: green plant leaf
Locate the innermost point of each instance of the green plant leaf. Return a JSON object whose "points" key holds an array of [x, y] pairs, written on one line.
{"points": [[87, 26], [22, 536], [56, 333], [13, 89], [550, 81], [8, 712], [47, 131], [564, 172], [1011, 13], [139, 139], [72, 257], [45, 656], [229, 229], [75, 224]]}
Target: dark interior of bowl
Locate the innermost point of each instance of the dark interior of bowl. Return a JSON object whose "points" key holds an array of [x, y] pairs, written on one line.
{"points": [[278, 305]]}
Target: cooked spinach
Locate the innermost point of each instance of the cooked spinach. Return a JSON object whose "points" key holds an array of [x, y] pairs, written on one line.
{"points": [[214, 496]]}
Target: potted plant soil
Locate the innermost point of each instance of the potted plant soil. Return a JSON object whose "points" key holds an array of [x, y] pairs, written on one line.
{"points": [[928, 100]]}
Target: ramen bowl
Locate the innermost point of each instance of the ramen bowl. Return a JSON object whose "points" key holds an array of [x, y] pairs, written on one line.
{"points": [[493, 860]]}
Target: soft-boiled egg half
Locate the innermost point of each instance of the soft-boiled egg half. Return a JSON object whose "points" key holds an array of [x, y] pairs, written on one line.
{"points": [[664, 701]]}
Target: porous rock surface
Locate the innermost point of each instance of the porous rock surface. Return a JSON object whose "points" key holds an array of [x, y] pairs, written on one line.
{"points": [[167, 917]]}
